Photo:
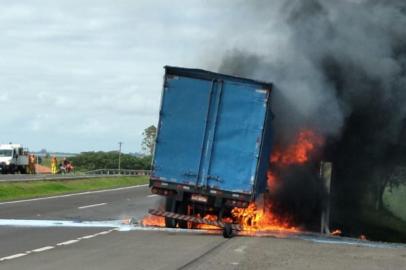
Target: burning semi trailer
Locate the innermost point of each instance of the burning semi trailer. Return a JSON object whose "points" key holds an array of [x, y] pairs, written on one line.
{"points": [[213, 160]]}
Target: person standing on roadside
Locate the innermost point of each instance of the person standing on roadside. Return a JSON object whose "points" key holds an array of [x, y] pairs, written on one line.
{"points": [[54, 165], [31, 164]]}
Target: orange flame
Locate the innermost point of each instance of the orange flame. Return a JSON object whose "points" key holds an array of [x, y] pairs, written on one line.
{"points": [[254, 219], [154, 221], [299, 152], [271, 180], [206, 226]]}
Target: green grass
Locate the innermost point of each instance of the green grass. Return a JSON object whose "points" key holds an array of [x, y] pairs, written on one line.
{"points": [[32, 189], [395, 201]]}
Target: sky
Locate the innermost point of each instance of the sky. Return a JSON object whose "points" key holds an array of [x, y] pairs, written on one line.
{"points": [[83, 75]]}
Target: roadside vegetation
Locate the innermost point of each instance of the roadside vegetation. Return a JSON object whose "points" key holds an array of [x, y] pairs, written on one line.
{"points": [[32, 189], [394, 200], [385, 223], [384, 213], [88, 161], [382, 225]]}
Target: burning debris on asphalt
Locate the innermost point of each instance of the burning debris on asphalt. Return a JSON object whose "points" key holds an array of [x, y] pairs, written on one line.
{"points": [[153, 221]]}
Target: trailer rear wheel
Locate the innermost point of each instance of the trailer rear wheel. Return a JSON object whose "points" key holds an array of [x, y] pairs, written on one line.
{"points": [[227, 231], [182, 208], [170, 205]]}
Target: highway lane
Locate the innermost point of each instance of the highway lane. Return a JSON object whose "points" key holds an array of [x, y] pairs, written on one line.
{"points": [[119, 202], [163, 250], [123, 250], [104, 248], [110, 205], [273, 253]]}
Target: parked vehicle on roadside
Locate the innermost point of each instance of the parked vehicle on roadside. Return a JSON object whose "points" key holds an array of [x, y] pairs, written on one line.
{"points": [[13, 159]]}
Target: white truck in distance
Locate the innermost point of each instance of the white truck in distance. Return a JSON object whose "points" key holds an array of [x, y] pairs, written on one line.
{"points": [[13, 159]]}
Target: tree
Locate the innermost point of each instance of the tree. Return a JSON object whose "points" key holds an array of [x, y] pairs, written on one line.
{"points": [[148, 142], [44, 152], [392, 178]]}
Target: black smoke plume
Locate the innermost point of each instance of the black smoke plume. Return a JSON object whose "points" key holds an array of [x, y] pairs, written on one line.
{"points": [[339, 68]]}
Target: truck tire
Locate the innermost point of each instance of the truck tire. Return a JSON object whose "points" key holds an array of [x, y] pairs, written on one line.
{"points": [[22, 170], [227, 231], [12, 169], [170, 206], [182, 209]]}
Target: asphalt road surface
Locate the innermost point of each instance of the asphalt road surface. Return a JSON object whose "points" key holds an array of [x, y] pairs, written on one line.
{"points": [[84, 232]]}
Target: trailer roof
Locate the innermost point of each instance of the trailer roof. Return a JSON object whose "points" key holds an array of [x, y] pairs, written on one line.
{"points": [[208, 75]]}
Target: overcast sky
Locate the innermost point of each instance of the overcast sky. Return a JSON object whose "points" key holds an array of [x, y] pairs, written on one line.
{"points": [[83, 75]]}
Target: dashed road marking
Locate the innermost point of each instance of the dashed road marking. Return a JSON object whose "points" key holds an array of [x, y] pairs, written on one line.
{"points": [[152, 195], [68, 242], [37, 250], [241, 249], [104, 232], [41, 249], [13, 256], [91, 205], [87, 236]]}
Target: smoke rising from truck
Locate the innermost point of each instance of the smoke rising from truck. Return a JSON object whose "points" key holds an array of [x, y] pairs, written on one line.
{"points": [[339, 69]]}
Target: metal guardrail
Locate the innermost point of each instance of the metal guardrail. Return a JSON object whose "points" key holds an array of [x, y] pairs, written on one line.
{"points": [[119, 172], [72, 176]]}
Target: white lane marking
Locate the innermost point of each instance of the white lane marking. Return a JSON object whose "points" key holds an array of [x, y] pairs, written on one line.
{"points": [[40, 249], [52, 247], [91, 205], [83, 237], [151, 196], [68, 242], [13, 256], [241, 249], [74, 194], [87, 236], [105, 232], [234, 263], [60, 223]]}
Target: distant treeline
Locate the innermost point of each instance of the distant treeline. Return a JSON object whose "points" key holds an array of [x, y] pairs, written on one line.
{"points": [[88, 161]]}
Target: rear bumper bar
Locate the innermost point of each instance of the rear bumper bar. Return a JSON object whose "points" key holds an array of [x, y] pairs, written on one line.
{"points": [[193, 219], [171, 189]]}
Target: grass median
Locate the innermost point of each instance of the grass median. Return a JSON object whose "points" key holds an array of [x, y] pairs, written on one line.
{"points": [[31, 189]]}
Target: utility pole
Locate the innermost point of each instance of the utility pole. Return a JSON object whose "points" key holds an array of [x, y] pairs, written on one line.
{"points": [[119, 157], [325, 173]]}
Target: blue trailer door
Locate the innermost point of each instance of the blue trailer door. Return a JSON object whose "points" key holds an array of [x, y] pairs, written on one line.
{"points": [[237, 137], [181, 132]]}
